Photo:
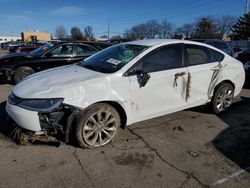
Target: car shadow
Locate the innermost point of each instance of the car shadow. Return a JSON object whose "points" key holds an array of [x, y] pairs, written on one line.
{"points": [[5, 126], [3, 82], [234, 142]]}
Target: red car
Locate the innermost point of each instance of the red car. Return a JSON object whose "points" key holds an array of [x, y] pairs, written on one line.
{"points": [[25, 47]]}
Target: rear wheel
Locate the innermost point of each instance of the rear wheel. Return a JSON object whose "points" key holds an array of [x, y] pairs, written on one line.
{"points": [[97, 126], [21, 73], [223, 97]]}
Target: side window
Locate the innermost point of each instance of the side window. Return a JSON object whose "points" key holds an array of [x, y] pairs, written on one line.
{"points": [[62, 51], [164, 58], [217, 56], [197, 55], [83, 50]]}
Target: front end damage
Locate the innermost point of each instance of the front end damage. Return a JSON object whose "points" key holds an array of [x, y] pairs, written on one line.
{"points": [[55, 127]]}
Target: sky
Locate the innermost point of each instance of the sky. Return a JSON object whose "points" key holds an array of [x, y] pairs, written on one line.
{"points": [[17, 16]]}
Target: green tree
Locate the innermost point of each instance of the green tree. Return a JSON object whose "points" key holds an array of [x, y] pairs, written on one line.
{"points": [[241, 30]]}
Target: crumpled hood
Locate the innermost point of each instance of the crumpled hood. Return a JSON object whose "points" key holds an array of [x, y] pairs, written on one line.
{"points": [[59, 82]]}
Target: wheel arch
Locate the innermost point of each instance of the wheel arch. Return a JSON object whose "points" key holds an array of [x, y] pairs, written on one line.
{"points": [[222, 82], [120, 109]]}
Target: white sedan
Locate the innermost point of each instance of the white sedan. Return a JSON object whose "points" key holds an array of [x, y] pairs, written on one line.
{"points": [[124, 84]]}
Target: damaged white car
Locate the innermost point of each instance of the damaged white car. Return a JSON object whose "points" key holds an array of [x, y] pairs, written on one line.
{"points": [[124, 84]]}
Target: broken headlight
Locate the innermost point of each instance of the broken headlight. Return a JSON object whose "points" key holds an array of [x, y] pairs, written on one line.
{"points": [[41, 105]]}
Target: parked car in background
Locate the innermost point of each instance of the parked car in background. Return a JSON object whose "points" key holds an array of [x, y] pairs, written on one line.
{"points": [[220, 44], [122, 85], [236, 51], [25, 47], [247, 71], [7, 45], [17, 66], [244, 55]]}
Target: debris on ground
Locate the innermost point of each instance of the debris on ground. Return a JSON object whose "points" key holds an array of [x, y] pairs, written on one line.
{"points": [[27, 137], [194, 154]]}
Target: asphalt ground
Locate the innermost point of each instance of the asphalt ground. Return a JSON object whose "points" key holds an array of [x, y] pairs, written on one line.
{"points": [[191, 148]]}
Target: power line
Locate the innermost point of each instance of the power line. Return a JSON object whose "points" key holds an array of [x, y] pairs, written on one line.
{"points": [[246, 6]]}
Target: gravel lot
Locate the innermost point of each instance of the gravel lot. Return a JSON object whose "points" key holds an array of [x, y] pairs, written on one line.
{"points": [[190, 148]]}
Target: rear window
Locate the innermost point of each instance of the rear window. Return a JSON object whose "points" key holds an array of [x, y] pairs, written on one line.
{"points": [[197, 55], [217, 56]]}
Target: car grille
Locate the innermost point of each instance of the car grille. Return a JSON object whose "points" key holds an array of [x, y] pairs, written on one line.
{"points": [[12, 99]]}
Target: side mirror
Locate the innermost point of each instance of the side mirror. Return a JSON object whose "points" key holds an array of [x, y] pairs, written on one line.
{"points": [[143, 78]]}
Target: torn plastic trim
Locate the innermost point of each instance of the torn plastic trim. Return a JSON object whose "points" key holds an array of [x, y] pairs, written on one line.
{"points": [[214, 79], [59, 121]]}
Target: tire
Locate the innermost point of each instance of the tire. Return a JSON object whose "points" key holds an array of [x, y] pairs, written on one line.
{"points": [[97, 126], [223, 97], [21, 73]]}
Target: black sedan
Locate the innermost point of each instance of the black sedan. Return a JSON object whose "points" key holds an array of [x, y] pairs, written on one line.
{"points": [[15, 67], [244, 57]]}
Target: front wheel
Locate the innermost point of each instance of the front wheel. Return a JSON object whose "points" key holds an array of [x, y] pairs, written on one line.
{"points": [[21, 73], [223, 97], [97, 126]]}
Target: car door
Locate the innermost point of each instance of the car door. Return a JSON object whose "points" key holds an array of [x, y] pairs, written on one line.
{"points": [[201, 67], [58, 56], [83, 51], [165, 90]]}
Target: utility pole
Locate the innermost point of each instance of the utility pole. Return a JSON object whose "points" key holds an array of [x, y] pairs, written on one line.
{"points": [[108, 27], [246, 6]]}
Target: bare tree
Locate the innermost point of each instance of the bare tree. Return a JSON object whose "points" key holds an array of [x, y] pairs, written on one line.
{"points": [[136, 32], [76, 33], [188, 30], [148, 30], [88, 33], [166, 29], [152, 29], [60, 32], [225, 24]]}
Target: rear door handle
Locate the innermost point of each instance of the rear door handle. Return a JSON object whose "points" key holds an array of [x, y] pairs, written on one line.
{"points": [[179, 74], [215, 68]]}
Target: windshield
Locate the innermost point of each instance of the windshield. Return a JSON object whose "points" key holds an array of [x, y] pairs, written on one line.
{"points": [[114, 58], [41, 49]]}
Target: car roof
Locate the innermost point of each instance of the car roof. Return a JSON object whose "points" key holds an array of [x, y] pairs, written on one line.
{"points": [[97, 45], [153, 42], [159, 42]]}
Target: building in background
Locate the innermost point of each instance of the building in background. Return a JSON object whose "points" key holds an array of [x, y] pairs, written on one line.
{"points": [[35, 36]]}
